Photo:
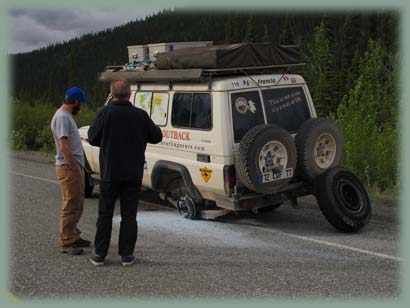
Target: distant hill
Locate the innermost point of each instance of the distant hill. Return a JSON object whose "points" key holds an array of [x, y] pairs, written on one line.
{"points": [[45, 74]]}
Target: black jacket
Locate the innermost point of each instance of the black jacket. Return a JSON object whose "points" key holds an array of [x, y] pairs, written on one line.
{"points": [[122, 132]]}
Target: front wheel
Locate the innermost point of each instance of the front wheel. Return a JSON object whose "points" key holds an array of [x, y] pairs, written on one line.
{"points": [[343, 200]]}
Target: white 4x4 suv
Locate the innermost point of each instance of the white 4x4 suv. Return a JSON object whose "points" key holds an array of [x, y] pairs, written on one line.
{"points": [[239, 142]]}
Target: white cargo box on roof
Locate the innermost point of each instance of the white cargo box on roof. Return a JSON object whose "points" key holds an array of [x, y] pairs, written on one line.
{"points": [[138, 53], [153, 49]]}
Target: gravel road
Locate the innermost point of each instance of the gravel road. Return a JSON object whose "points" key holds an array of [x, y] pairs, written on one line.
{"points": [[288, 253]]}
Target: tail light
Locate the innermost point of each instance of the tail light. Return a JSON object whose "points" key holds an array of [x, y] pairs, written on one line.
{"points": [[248, 203], [229, 178]]}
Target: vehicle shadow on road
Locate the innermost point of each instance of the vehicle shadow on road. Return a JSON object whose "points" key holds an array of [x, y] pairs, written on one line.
{"points": [[304, 220]]}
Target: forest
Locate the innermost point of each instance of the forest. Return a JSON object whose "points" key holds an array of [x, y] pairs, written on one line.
{"points": [[352, 69]]}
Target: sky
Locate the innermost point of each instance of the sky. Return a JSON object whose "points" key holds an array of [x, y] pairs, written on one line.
{"points": [[34, 28]]}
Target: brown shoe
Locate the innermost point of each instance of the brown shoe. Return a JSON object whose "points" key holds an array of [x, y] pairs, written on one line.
{"points": [[72, 250], [82, 243]]}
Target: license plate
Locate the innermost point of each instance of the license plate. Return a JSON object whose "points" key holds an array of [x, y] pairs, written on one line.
{"points": [[270, 176]]}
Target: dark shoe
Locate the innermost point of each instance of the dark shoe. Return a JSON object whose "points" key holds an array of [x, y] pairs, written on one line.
{"points": [[97, 260], [128, 260], [82, 243], [71, 250]]}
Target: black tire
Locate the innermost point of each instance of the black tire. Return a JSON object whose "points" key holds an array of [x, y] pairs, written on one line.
{"points": [[343, 200], [313, 158], [248, 157], [187, 208], [88, 187]]}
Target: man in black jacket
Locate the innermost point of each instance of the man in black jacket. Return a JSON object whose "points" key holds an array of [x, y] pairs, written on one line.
{"points": [[122, 132]]}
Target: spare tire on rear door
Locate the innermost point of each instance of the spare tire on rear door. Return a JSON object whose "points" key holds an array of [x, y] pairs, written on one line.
{"points": [[319, 147], [266, 159], [343, 200]]}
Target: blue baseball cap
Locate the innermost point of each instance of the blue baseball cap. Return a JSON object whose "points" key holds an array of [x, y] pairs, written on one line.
{"points": [[75, 93]]}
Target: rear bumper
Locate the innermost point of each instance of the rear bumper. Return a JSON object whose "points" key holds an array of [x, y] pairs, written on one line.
{"points": [[247, 202], [255, 201]]}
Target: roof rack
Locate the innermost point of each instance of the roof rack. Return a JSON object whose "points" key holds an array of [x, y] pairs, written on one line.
{"points": [[153, 75], [132, 74]]}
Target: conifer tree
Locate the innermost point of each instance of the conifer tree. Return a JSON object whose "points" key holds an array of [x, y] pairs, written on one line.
{"points": [[231, 30], [266, 37], [368, 119], [350, 51], [320, 73], [286, 37], [71, 69], [386, 27], [352, 73], [89, 54], [251, 36]]}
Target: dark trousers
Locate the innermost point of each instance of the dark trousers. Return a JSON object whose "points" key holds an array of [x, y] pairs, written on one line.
{"points": [[109, 192]]}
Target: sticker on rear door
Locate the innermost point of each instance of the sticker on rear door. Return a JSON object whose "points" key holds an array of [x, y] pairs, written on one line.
{"points": [[243, 105]]}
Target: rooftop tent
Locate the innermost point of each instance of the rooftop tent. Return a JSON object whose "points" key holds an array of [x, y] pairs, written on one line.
{"points": [[228, 56], [200, 63]]}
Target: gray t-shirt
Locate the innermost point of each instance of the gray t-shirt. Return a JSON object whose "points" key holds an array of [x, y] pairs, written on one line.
{"points": [[63, 125]]}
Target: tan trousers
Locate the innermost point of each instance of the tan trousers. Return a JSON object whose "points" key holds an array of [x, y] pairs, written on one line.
{"points": [[72, 203]]}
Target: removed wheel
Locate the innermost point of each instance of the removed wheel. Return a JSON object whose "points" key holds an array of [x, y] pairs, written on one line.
{"points": [[343, 200], [319, 147], [187, 208], [266, 159], [88, 187]]}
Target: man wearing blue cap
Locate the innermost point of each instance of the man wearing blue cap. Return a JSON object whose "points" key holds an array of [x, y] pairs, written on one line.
{"points": [[69, 169]]}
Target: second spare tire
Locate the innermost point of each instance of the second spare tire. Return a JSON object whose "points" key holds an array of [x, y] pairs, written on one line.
{"points": [[319, 147], [266, 159]]}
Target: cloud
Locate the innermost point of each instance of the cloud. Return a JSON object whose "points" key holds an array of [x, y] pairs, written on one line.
{"points": [[32, 29]]}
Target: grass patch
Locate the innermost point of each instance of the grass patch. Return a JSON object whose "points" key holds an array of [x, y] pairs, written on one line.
{"points": [[389, 196], [31, 121]]}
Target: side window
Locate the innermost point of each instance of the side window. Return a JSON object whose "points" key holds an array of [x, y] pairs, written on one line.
{"points": [[181, 109], [201, 116], [246, 112], [143, 100], [132, 97], [192, 110], [159, 108], [155, 104]]}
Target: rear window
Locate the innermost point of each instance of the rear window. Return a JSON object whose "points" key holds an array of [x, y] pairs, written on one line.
{"points": [[246, 112], [286, 107]]}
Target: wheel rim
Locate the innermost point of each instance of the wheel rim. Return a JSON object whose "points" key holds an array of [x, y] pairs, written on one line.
{"points": [[186, 207], [350, 196], [273, 157], [325, 150], [182, 209]]}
